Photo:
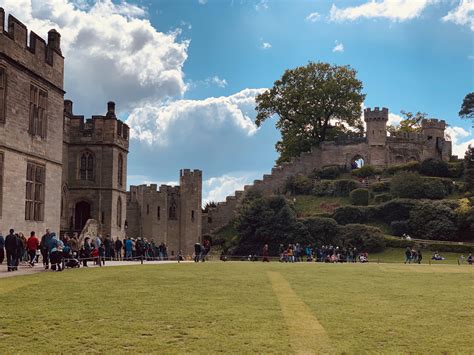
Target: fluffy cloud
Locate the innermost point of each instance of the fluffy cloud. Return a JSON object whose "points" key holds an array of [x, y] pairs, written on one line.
{"points": [[112, 51], [338, 48], [395, 10], [313, 17], [156, 123], [463, 14], [261, 5], [394, 119], [218, 188], [215, 80], [265, 45], [458, 136]]}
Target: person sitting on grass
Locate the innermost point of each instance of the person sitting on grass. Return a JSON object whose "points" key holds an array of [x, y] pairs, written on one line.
{"points": [[437, 256], [364, 257], [469, 259]]}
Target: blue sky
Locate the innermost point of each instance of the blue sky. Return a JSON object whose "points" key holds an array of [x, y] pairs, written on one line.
{"points": [[184, 73]]}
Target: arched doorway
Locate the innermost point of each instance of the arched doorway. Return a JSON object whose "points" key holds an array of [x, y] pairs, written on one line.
{"points": [[357, 162], [82, 212]]}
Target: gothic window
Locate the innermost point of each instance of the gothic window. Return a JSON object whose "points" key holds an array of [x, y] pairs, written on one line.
{"points": [[63, 202], [120, 170], [158, 213], [147, 209], [3, 87], [172, 211], [86, 166], [34, 201], [192, 216], [119, 212], [38, 112], [1, 182]]}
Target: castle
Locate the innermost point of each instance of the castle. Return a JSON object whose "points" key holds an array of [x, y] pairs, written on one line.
{"points": [[375, 148], [59, 170]]}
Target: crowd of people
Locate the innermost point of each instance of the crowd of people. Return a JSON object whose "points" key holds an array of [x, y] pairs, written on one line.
{"points": [[68, 251]]}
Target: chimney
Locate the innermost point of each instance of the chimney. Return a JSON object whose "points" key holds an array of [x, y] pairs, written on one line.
{"points": [[111, 109], [54, 40], [68, 107]]}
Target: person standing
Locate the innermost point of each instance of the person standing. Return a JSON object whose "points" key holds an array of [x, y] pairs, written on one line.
{"points": [[32, 245], [44, 246], [420, 256], [265, 253], [128, 248], [408, 255], [86, 251], [11, 247], [118, 248], [2, 248]]}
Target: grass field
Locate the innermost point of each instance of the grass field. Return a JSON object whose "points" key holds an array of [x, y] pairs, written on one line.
{"points": [[241, 307]]}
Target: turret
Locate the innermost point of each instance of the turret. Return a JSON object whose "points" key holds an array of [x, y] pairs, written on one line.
{"points": [[376, 121]]}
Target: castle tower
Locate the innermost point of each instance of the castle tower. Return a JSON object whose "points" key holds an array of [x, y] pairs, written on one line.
{"points": [[432, 131], [376, 121], [95, 174], [190, 209]]}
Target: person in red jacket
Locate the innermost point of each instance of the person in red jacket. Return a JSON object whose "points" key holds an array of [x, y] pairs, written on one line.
{"points": [[32, 245]]}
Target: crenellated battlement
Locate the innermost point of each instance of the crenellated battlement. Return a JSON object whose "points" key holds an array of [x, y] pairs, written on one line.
{"points": [[376, 114], [433, 123], [190, 173], [43, 58]]}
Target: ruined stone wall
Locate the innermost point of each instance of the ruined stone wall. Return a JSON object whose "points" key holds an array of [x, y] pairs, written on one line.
{"points": [[40, 64]]}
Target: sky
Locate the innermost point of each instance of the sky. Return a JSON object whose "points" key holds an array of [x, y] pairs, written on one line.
{"points": [[184, 73]]}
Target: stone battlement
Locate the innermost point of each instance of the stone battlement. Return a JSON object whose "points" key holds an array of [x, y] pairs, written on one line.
{"points": [[376, 114], [38, 54], [189, 172], [433, 123]]}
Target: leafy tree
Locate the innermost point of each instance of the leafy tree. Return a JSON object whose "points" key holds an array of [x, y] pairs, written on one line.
{"points": [[467, 107], [469, 169], [407, 185], [410, 123], [313, 103], [209, 205]]}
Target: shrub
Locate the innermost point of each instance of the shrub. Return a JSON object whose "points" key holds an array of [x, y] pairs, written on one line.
{"points": [[323, 188], [436, 221], [433, 189], [399, 228], [393, 210], [434, 167], [410, 166], [407, 185], [362, 237], [455, 170], [381, 186], [359, 197], [298, 185], [342, 188], [365, 171], [350, 214], [322, 230], [329, 172], [380, 198]]}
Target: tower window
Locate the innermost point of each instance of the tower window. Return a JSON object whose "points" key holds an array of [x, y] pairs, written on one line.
{"points": [[119, 212], [147, 209], [158, 213], [34, 200], [120, 170], [192, 216], [3, 87], [86, 168], [38, 112]]}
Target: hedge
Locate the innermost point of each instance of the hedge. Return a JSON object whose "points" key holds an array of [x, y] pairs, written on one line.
{"points": [[366, 171], [380, 198], [329, 172], [380, 186], [322, 230], [410, 166], [434, 167], [336, 188], [298, 184], [359, 197], [434, 189], [399, 228], [362, 237], [350, 214], [455, 170]]}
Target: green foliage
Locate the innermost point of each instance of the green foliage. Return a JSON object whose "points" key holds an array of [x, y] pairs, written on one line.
{"points": [[434, 167], [363, 237], [329, 172], [410, 123], [323, 231], [359, 197], [399, 228], [366, 171], [407, 185], [469, 169], [435, 221], [393, 210], [383, 186], [467, 107], [306, 99], [299, 185], [342, 188], [323, 188], [433, 189], [350, 214], [465, 219], [455, 169], [380, 198], [410, 166]]}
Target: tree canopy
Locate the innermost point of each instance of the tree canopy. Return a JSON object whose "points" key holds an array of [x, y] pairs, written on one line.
{"points": [[467, 107], [313, 103], [410, 123]]}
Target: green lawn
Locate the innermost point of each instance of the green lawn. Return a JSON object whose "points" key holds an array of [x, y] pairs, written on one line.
{"points": [[308, 205], [241, 307], [397, 255]]}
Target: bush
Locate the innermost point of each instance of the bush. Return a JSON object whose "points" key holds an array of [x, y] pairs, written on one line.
{"points": [[322, 230], [350, 214], [362, 237], [433, 189], [399, 228], [323, 188], [298, 185], [432, 220], [359, 197], [434, 167], [380, 198], [455, 170], [380, 186], [393, 210], [329, 172], [365, 171], [412, 166], [407, 185], [342, 188]]}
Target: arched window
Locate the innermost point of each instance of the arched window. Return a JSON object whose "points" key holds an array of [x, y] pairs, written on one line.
{"points": [[86, 167], [172, 211], [119, 212], [120, 170]]}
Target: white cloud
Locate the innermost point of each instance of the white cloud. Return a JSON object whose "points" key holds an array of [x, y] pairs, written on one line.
{"points": [[338, 48], [202, 2], [112, 51], [457, 135], [462, 15], [395, 10], [215, 80], [265, 45], [394, 119], [313, 17], [261, 5], [218, 188], [183, 120]]}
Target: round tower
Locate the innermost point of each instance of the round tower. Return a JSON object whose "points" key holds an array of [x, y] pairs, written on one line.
{"points": [[376, 121]]}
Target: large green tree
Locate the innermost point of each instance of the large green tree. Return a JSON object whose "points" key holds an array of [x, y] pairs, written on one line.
{"points": [[467, 107], [313, 103], [411, 122], [469, 169]]}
